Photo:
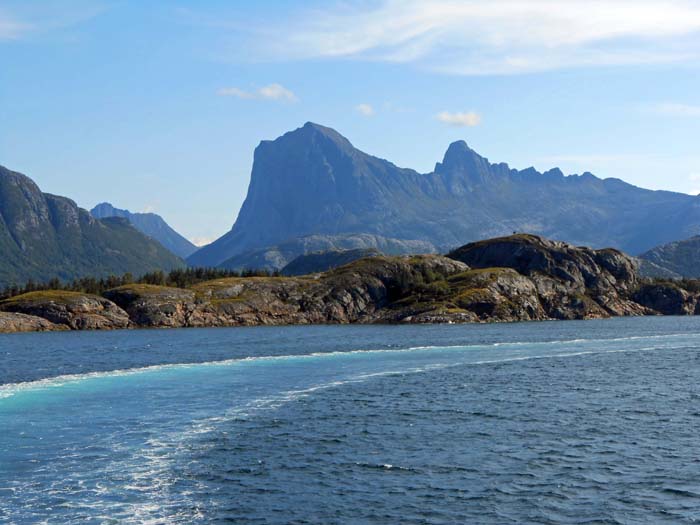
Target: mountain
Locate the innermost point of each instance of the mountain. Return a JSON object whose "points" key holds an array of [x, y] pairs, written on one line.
{"points": [[316, 262], [150, 224], [673, 260], [312, 181], [43, 236]]}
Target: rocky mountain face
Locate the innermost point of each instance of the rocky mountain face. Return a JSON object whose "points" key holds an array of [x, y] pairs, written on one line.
{"points": [[515, 278], [313, 182], [149, 224], [674, 260], [43, 236]]}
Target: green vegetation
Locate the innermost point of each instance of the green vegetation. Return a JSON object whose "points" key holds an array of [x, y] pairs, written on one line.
{"points": [[44, 296], [179, 278], [457, 292]]}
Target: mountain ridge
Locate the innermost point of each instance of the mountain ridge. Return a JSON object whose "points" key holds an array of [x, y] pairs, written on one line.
{"points": [[150, 224], [312, 181]]}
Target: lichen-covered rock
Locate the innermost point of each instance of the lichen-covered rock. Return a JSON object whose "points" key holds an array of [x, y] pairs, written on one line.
{"points": [[358, 292], [503, 294], [154, 306], [572, 282], [14, 322], [74, 310]]}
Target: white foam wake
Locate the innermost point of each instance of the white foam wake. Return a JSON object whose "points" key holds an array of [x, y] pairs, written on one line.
{"points": [[10, 389]]}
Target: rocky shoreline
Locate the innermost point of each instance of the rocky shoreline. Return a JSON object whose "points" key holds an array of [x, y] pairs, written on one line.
{"points": [[515, 278]]}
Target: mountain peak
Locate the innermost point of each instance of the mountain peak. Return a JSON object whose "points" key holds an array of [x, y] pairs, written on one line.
{"points": [[106, 209], [459, 157], [314, 131], [458, 147]]}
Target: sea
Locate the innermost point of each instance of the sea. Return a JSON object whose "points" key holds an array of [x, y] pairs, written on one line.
{"points": [[561, 422]]}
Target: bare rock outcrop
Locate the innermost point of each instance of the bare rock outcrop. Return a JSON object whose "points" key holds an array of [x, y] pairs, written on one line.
{"points": [[572, 282], [14, 322], [75, 310]]}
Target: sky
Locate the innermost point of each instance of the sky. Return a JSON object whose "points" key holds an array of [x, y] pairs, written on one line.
{"points": [[158, 106]]}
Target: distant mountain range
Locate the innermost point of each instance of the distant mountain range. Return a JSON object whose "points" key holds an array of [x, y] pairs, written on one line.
{"points": [[150, 224], [312, 183], [43, 236]]}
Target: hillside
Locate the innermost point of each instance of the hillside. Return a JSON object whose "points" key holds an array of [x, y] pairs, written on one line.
{"points": [[43, 236], [673, 260]]}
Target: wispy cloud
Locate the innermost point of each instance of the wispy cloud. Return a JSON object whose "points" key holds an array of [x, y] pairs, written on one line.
{"points": [[466, 119], [672, 109], [270, 92], [365, 110], [10, 28], [693, 184], [475, 37], [29, 19]]}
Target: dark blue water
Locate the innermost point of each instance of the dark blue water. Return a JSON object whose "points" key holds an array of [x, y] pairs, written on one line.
{"points": [[562, 422]]}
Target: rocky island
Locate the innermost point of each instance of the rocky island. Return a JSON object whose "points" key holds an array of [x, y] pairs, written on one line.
{"points": [[516, 278]]}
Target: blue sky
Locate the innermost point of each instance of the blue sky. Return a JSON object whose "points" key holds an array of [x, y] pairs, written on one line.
{"points": [[158, 106]]}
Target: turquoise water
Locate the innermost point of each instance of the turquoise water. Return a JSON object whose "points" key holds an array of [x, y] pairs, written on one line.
{"points": [[561, 422]]}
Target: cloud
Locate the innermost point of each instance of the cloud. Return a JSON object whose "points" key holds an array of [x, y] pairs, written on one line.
{"points": [[474, 37], [277, 92], [270, 92], [11, 29], [468, 119], [30, 19], [672, 109], [365, 110], [694, 184]]}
